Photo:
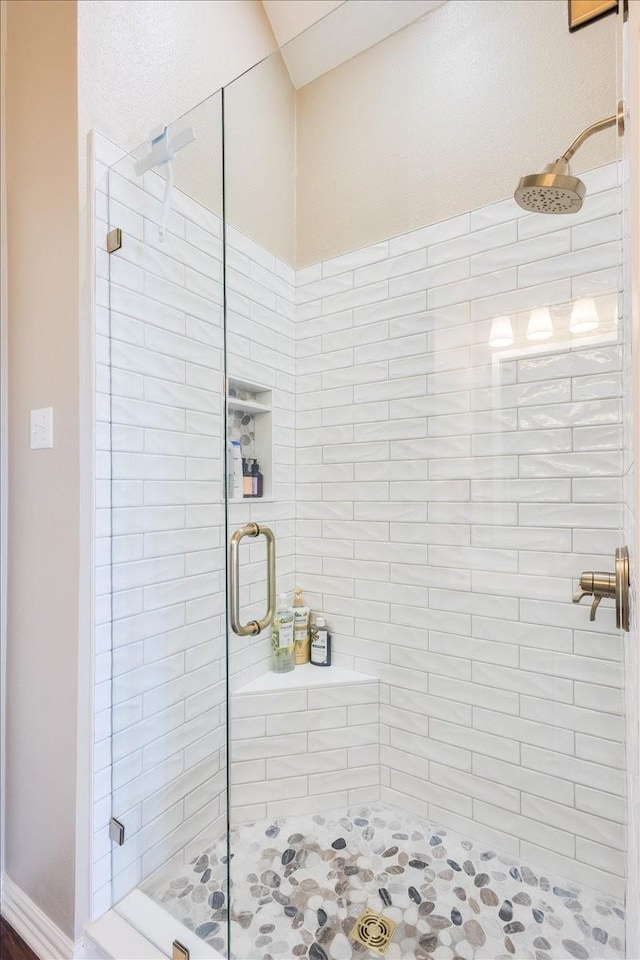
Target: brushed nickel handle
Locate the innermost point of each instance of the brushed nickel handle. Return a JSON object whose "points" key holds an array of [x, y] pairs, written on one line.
{"points": [[612, 586], [254, 626]]}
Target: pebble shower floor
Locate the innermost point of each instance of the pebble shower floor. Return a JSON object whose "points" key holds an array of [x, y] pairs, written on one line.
{"points": [[299, 885]]}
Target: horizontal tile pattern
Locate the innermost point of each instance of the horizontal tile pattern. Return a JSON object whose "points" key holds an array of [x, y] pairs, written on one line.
{"points": [[441, 515], [301, 747], [161, 569], [448, 499], [163, 356]]}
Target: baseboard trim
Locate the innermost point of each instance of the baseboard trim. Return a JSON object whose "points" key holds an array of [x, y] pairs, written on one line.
{"points": [[40, 933]]}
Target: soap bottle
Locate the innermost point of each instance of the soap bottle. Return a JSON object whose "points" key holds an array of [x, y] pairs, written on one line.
{"points": [[237, 469], [302, 635], [282, 640], [246, 478], [320, 644], [257, 479]]}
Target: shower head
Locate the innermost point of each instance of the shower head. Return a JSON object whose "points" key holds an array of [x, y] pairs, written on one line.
{"points": [[554, 190]]}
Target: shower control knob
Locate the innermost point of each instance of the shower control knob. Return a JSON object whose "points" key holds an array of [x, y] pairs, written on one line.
{"points": [[612, 586], [596, 584]]}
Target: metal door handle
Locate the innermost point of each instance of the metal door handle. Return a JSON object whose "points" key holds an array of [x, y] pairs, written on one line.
{"points": [[613, 586], [254, 626]]}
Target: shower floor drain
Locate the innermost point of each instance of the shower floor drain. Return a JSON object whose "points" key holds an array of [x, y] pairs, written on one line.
{"points": [[374, 931]]}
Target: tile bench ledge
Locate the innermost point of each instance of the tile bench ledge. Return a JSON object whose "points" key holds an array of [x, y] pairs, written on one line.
{"points": [[304, 676]]}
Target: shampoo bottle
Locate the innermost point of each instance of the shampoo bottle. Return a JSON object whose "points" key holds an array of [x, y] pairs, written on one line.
{"points": [[320, 644], [282, 640], [302, 635], [247, 483]]}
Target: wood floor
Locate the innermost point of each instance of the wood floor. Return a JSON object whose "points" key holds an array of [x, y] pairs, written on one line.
{"points": [[12, 947]]}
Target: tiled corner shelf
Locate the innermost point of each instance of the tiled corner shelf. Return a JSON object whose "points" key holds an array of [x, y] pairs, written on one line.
{"points": [[303, 677]]}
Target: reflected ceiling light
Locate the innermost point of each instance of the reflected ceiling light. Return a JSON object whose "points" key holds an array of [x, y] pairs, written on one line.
{"points": [[584, 316], [540, 326], [501, 334]]}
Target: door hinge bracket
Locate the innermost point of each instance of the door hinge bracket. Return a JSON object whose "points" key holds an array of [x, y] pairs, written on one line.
{"points": [[114, 240], [116, 831], [178, 952]]}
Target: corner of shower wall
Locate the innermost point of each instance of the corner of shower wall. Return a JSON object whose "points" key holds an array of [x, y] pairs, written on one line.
{"points": [[302, 748], [260, 349]]}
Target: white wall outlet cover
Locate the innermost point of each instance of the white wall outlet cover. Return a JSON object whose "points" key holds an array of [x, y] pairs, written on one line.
{"points": [[42, 428]]}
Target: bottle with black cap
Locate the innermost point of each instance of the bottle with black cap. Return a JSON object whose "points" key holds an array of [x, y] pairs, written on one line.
{"points": [[320, 644], [257, 479]]}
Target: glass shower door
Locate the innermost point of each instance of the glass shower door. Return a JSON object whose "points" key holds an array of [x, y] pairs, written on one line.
{"points": [[161, 376]]}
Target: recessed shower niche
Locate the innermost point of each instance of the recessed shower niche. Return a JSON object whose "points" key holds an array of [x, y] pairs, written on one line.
{"points": [[249, 423]]}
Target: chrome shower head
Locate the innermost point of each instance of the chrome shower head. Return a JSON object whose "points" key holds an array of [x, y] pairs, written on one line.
{"points": [[554, 190]]}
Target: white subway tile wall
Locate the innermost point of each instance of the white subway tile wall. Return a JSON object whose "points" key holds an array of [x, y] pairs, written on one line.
{"points": [[159, 365], [448, 495], [261, 349], [304, 750], [434, 501]]}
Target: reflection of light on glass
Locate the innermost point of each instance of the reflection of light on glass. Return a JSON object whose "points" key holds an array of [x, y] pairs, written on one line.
{"points": [[584, 316], [501, 334], [540, 326]]}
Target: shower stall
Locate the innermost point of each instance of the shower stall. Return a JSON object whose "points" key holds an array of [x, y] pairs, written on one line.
{"points": [[331, 278]]}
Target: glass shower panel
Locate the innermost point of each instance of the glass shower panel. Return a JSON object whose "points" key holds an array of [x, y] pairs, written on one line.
{"points": [[163, 374]]}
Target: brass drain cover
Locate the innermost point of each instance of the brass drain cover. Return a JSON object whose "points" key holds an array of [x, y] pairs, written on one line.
{"points": [[374, 931]]}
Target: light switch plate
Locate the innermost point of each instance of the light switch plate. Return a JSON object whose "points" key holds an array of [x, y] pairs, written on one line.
{"points": [[42, 428]]}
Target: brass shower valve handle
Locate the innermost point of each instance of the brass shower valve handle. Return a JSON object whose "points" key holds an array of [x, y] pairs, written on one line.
{"points": [[610, 586], [596, 584]]}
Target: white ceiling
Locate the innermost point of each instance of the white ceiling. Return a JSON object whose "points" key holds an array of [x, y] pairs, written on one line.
{"points": [[351, 27], [288, 18]]}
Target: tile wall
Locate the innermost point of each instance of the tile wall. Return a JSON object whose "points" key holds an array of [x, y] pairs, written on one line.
{"points": [[160, 547], [435, 500], [448, 495], [159, 364], [304, 749], [261, 348]]}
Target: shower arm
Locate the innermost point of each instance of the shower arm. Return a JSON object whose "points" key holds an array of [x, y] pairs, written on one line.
{"points": [[616, 119]]}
